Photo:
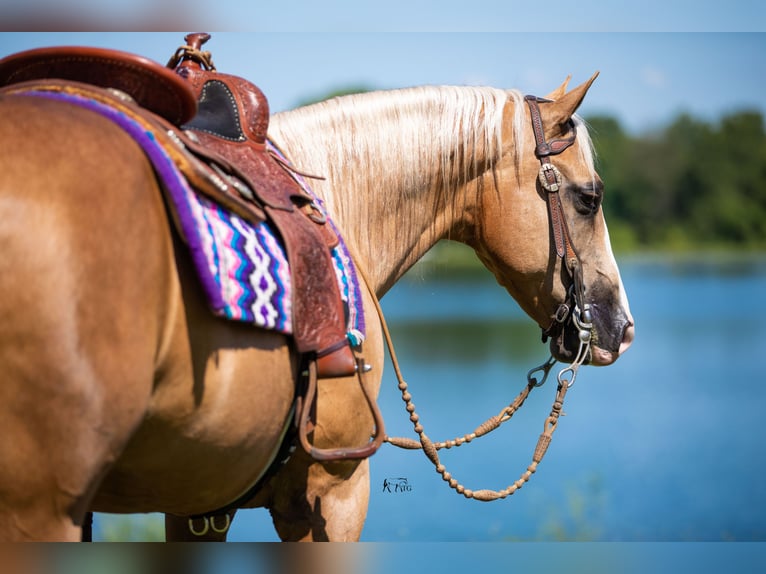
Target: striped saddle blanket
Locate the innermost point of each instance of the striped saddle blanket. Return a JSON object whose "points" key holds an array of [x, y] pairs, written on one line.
{"points": [[242, 266]]}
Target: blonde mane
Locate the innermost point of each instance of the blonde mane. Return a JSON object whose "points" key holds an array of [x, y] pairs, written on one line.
{"points": [[403, 138], [402, 151]]}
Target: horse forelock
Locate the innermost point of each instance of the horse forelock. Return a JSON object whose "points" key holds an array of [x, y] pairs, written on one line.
{"points": [[586, 148]]}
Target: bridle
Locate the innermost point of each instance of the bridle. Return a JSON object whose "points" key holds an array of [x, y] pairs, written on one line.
{"points": [[574, 309], [551, 180]]}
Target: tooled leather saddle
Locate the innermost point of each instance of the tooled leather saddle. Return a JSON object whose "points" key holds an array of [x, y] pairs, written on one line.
{"points": [[222, 120]]}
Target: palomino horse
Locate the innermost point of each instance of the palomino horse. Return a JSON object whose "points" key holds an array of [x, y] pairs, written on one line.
{"points": [[121, 392]]}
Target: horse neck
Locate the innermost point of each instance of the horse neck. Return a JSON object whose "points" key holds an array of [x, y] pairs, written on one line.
{"points": [[398, 166]]}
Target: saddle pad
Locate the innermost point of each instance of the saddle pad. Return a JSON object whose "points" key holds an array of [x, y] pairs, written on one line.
{"points": [[242, 267]]}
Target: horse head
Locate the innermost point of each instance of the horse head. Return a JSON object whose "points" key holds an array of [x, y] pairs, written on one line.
{"points": [[547, 196], [465, 164]]}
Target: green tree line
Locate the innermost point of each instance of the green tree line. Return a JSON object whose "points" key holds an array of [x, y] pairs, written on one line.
{"points": [[692, 185]]}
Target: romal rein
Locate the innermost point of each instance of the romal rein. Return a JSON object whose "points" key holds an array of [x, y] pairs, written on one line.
{"points": [[551, 180]]}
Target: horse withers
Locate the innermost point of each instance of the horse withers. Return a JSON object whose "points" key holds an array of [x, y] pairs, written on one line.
{"points": [[122, 393]]}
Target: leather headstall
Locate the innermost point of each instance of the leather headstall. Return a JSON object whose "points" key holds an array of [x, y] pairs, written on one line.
{"points": [[551, 181]]}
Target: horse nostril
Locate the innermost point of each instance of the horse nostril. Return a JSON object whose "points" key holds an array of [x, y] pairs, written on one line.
{"points": [[627, 337]]}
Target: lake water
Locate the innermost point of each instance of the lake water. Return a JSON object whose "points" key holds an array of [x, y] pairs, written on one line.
{"points": [[665, 445]]}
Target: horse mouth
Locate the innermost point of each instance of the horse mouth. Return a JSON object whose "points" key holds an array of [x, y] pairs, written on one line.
{"points": [[566, 345]]}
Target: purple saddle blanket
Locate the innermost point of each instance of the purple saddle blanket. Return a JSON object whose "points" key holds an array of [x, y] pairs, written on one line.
{"points": [[242, 267]]}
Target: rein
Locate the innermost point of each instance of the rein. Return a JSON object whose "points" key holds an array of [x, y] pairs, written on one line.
{"points": [[566, 379], [575, 309]]}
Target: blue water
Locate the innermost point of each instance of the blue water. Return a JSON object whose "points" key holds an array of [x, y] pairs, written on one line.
{"points": [[665, 445]]}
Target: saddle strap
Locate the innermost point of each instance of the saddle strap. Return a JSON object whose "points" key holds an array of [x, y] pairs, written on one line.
{"points": [[305, 410]]}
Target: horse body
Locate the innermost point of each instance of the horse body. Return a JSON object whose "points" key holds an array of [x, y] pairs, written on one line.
{"points": [[122, 393], [105, 381]]}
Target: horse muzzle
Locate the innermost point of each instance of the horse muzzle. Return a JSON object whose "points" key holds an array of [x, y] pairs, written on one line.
{"points": [[611, 335], [601, 356]]}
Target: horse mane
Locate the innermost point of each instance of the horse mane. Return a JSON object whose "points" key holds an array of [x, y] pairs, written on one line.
{"points": [[427, 139]]}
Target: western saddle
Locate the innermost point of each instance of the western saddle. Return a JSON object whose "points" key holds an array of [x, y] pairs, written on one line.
{"points": [[223, 121], [214, 126]]}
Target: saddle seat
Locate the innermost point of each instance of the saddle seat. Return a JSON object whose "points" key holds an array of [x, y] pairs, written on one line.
{"points": [[151, 85], [222, 120]]}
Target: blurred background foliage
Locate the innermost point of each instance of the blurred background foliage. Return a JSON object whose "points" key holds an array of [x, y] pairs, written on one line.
{"points": [[693, 185]]}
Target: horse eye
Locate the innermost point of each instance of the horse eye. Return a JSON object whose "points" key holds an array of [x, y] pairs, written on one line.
{"points": [[588, 198]]}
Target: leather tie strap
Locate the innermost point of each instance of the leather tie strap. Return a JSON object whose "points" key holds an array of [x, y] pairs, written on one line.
{"points": [[305, 408]]}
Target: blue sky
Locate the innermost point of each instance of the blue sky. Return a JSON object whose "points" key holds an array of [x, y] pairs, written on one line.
{"points": [[646, 78], [656, 57], [406, 15]]}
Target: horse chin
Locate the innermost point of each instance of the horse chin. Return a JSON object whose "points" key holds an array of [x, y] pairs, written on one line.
{"points": [[601, 357], [564, 348]]}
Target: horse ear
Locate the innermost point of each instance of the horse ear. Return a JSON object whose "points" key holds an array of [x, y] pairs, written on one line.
{"points": [[564, 107], [559, 92]]}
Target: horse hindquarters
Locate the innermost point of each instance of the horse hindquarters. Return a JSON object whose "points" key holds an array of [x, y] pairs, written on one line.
{"points": [[84, 257]]}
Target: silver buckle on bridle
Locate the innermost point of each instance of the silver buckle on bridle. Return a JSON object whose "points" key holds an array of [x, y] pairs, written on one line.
{"points": [[548, 169]]}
